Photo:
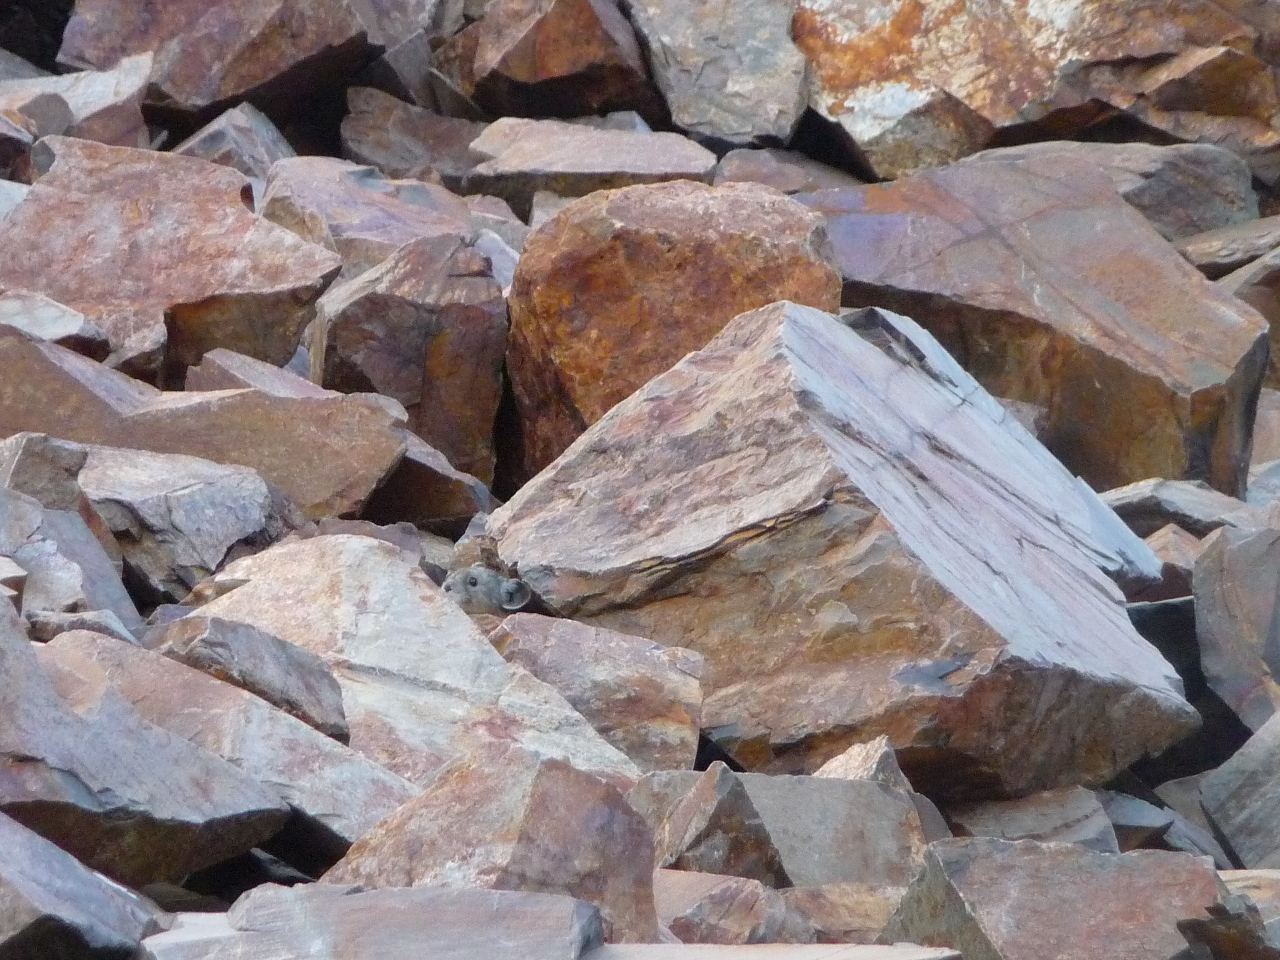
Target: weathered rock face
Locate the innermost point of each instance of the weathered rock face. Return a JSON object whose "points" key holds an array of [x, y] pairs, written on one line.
{"points": [[427, 327], [1069, 815], [1258, 285], [54, 906], [621, 285], [420, 685], [275, 923], [1219, 252], [187, 267], [106, 106], [729, 72], [1050, 290], [243, 138], [1149, 505], [522, 157], [845, 912], [795, 521], [1241, 799], [996, 900], [781, 169], [357, 212], [336, 795], [1266, 433], [47, 319], [502, 818], [643, 698], [710, 908], [206, 56], [325, 453], [84, 770], [551, 58]]}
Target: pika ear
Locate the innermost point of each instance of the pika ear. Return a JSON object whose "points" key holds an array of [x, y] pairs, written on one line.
{"points": [[514, 594]]}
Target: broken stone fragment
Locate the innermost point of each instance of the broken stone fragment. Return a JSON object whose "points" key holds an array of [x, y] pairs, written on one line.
{"points": [[710, 908], [522, 157], [45, 624], [1266, 434], [1178, 552], [46, 319], [1125, 338], [1258, 285], [1217, 253], [845, 912], [1241, 798], [651, 272], [242, 138], [13, 67], [502, 818], [781, 169], [1068, 815], [104, 106], [1148, 505], [1137, 823], [873, 760], [643, 698], [777, 458]]}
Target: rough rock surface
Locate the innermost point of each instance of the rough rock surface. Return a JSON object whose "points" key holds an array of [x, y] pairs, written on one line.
{"points": [[830, 526], [243, 138], [652, 272], [1050, 290], [1219, 252], [1069, 815], [1149, 505], [710, 908], [781, 169], [1258, 285], [103, 106], [1241, 799]]}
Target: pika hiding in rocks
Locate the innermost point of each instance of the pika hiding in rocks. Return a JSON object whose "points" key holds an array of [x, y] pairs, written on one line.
{"points": [[479, 589]]}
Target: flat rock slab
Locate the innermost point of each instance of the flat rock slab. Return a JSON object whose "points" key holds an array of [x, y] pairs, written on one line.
{"points": [[1068, 815], [1218, 252], [104, 106], [772, 502], [285, 923], [1149, 505], [768, 952], [652, 272], [784, 170], [1051, 290], [1242, 799]]}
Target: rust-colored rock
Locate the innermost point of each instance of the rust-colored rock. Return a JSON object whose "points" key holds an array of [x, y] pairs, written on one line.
{"points": [[1178, 552], [1219, 252], [1049, 289], [504, 819], [153, 247], [784, 502], [428, 327], [643, 698], [106, 106], [1069, 815], [711, 908], [845, 912], [623, 284], [1258, 284], [1266, 432]]}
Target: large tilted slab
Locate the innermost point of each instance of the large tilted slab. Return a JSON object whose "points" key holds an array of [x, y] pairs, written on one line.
{"points": [[860, 543]]}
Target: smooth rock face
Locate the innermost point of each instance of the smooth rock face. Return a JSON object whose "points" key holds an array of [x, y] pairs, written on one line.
{"points": [[652, 273], [1149, 505], [281, 923], [1235, 590], [1051, 290], [206, 56], [1266, 433], [420, 685], [710, 908], [106, 106], [427, 327], [338, 794], [502, 818], [1219, 252], [772, 523], [46, 319], [1069, 815], [56, 907], [873, 760], [525, 156], [996, 900], [152, 247], [325, 453], [781, 169], [1258, 285], [643, 698], [286, 676], [1242, 799], [86, 771], [728, 71], [243, 138]]}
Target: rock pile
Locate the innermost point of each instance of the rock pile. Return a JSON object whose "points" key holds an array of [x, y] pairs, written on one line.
{"points": [[629, 479]]}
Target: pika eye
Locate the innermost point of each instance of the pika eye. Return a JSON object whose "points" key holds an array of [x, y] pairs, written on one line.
{"points": [[472, 582]]}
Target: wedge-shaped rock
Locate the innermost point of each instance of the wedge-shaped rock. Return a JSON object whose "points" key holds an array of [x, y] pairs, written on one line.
{"points": [[572, 160], [13, 67], [997, 900], [57, 907], [710, 908], [85, 770], [1242, 799], [729, 72], [325, 453], [781, 169], [1260, 886], [47, 319], [643, 698], [106, 106], [337, 794], [209, 55], [1219, 252], [1149, 505], [281, 923], [243, 138], [845, 912], [286, 676], [356, 211], [873, 760], [1266, 433], [1178, 552], [623, 284], [188, 260], [1051, 290], [1069, 815], [1137, 823], [503, 818], [428, 327], [420, 685], [787, 500]]}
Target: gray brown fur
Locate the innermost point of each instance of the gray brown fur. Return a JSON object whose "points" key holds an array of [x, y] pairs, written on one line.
{"points": [[478, 589]]}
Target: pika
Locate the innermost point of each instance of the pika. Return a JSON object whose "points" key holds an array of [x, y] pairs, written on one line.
{"points": [[478, 589]]}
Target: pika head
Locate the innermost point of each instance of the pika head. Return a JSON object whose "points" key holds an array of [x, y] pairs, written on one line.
{"points": [[477, 589]]}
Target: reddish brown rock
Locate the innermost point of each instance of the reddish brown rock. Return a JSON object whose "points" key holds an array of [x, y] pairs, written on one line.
{"points": [[1145, 368], [106, 106], [782, 170], [1219, 252], [325, 453], [845, 912], [873, 760], [522, 157], [502, 818], [710, 908], [551, 58], [1258, 285], [652, 273], [643, 698], [152, 248], [207, 56], [1178, 551], [428, 327], [755, 504], [996, 900], [1266, 431], [1069, 815], [243, 138]]}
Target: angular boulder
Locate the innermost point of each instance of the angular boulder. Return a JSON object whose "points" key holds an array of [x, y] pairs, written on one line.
{"points": [[651, 272], [1051, 290], [781, 169], [1068, 815], [1219, 252], [710, 908], [104, 106], [1241, 798], [243, 138], [786, 500]]}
